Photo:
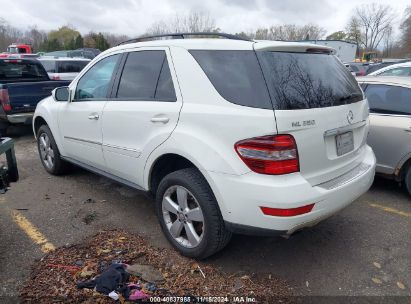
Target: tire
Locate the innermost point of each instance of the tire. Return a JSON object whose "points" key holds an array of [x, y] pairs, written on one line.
{"points": [[211, 232], [45, 142], [408, 180], [3, 128]]}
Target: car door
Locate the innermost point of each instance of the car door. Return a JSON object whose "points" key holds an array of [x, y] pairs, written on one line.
{"points": [[142, 112], [390, 124], [80, 119]]}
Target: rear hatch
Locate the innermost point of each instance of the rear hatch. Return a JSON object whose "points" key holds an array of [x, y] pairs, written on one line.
{"points": [[26, 83], [24, 96], [318, 102]]}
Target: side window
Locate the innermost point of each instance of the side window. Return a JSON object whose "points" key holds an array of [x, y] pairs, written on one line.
{"points": [[71, 66], [389, 99], [146, 76], [95, 83], [403, 71]]}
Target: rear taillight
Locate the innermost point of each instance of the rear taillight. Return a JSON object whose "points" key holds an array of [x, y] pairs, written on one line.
{"points": [[4, 100], [272, 154], [56, 77]]}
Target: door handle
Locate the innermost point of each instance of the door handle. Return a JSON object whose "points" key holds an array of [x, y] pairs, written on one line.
{"points": [[93, 117], [160, 119], [408, 130]]}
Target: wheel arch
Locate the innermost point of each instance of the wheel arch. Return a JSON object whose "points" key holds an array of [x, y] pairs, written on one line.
{"points": [[163, 165], [39, 121], [402, 167]]}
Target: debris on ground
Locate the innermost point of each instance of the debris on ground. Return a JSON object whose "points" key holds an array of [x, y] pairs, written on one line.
{"points": [[88, 218], [146, 272], [89, 201], [153, 273]]}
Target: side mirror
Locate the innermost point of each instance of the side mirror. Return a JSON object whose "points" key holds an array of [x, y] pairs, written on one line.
{"points": [[61, 94]]}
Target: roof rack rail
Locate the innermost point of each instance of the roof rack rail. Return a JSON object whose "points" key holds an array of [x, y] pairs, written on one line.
{"points": [[183, 36]]}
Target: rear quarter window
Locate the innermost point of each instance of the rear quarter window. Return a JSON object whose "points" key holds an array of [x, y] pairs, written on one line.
{"points": [[307, 80], [236, 75], [49, 65], [71, 66]]}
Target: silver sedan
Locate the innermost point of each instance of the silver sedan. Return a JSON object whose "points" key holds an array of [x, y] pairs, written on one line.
{"points": [[389, 99]]}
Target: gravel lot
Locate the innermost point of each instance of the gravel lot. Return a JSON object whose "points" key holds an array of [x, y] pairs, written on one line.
{"points": [[365, 250]]}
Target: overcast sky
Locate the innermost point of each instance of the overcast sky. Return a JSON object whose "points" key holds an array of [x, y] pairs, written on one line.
{"points": [[133, 17]]}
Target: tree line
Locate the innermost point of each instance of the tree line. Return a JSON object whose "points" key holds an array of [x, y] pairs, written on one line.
{"points": [[63, 38], [371, 27]]}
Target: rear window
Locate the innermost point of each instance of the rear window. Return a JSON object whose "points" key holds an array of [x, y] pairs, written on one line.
{"points": [[236, 75], [21, 70], [306, 80], [71, 66]]}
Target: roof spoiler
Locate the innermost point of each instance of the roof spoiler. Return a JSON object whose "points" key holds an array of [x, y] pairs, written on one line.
{"points": [[294, 47]]}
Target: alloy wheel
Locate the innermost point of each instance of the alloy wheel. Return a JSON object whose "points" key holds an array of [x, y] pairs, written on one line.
{"points": [[46, 151], [183, 216]]}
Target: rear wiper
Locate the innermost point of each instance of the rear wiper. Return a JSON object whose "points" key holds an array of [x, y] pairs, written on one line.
{"points": [[350, 96]]}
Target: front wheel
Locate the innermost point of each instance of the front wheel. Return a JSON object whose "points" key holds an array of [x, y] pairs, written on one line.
{"points": [[189, 214], [49, 153]]}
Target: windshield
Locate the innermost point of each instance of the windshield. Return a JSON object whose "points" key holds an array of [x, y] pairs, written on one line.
{"points": [[307, 80]]}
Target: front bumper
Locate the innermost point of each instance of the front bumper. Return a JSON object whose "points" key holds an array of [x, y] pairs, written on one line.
{"points": [[241, 196], [23, 118]]}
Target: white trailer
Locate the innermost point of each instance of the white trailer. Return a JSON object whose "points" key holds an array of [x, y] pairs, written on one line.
{"points": [[345, 50]]}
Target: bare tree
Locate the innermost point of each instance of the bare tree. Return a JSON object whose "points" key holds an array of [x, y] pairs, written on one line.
{"points": [[8, 34], [373, 21], [115, 39], [405, 40], [353, 30], [35, 37], [388, 42], [289, 32], [193, 22]]}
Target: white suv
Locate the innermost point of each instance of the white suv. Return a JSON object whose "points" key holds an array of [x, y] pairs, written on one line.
{"points": [[228, 135]]}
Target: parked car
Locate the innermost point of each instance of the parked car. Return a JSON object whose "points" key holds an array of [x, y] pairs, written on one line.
{"points": [[228, 135], [23, 83], [390, 128], [63, 68], [94, 52], [347, 65], [88, 53], [399, 69], [359, 68]]}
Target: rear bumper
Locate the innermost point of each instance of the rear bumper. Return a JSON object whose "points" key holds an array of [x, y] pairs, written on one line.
{"points": [[22, 118], [240, 197]]}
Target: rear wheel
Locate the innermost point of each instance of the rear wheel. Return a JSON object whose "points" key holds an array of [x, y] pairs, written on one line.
{"points": [[49, 153], [3, 128], [408, 179], [189, 214]]}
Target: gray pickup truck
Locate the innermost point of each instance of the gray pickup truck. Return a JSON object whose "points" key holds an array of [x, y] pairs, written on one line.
{"points": [[23, 83]]}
